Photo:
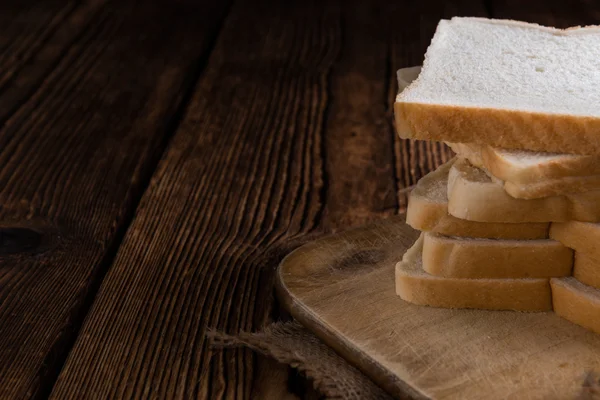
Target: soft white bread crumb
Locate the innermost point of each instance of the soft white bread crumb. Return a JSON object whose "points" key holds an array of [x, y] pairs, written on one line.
{"points": [[507, 84], [513, 165], [416, 286], [428, 211]]}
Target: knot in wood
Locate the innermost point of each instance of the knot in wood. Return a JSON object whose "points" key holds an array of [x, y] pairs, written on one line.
{"points": [[19, 240]]}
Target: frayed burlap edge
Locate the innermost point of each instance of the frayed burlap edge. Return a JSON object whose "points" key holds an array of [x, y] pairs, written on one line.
{"points": [[291, 344]]}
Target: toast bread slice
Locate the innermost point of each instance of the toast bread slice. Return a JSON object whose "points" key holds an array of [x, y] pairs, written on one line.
{"points": [[476, 258], [524, 166], [586, 269], [539, 98], [576, 302], [472, 195], [415, 286], [428, 211]]}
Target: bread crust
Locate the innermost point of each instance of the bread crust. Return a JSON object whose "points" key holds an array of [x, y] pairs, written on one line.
{"points": [[586, 269], [417, 287], [511, 129], [426, 213], [554, 169], [495, 259], [576, 302], [583, 237], [552, 187], [473, 196]]}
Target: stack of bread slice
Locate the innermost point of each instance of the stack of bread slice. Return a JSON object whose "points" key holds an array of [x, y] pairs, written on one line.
{"points": [[512, 222]]}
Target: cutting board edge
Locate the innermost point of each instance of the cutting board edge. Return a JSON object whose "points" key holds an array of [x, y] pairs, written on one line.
{"points": [[389, 382]]}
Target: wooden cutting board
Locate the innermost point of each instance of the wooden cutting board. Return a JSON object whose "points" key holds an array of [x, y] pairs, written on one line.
{"points": [[342, 288]]}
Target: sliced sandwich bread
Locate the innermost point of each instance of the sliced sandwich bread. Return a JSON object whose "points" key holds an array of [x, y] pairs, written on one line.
{"points": [[428, 211], [472, 195], [523, 166], [525, 174], [583, 237], [576, 302], [539, 97], [550, 187], [586, 269], [416, 286], [454, 257]]}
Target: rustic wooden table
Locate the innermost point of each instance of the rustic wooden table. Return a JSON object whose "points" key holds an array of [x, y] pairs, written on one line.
{"points": [[158, 159]]}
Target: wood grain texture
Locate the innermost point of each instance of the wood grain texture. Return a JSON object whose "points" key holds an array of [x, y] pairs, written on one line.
{"points": [[242, 176], [342, 287], [359, 158], [32, 41], [87, 94], [288, 135]]}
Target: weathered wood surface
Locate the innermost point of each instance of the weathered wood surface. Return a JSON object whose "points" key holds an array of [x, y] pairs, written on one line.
{"points": [[87, 93], [342, 287], [288, 135], [242, 176]]}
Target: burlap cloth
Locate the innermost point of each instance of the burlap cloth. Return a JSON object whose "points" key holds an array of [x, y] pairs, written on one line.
{"points": [[290, 343]]}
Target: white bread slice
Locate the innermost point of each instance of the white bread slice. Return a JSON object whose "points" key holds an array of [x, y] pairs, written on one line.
{"points": [[586, 269], [507, 84], [576, 302], [552, 187], [525, 174], [428, 211], [531, 190], [583, 237], [473, 196], [454, 257], [416, 286], [523, 166]]}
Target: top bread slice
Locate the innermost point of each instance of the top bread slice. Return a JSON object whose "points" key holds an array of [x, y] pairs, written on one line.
{"points": [[507, 84], [517, 167]]}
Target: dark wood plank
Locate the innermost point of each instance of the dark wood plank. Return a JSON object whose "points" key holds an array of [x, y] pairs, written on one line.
{"points": [[289, 134], [412, 27], [242, 176], [75, 155], [32, 40], [359, 137], [555, 13]]}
